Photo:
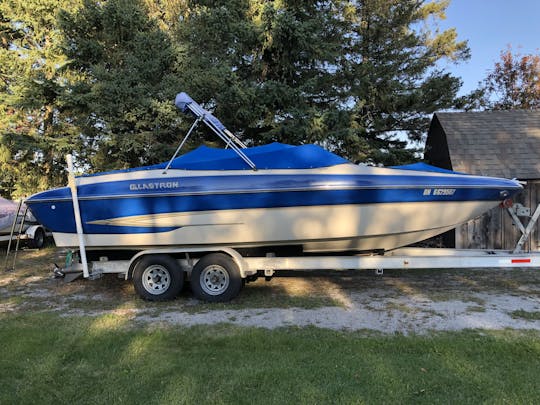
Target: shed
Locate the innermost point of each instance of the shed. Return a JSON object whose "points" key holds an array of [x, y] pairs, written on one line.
{"points": [[489, 143]]}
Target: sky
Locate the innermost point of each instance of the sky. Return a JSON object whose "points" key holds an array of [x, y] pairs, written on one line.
{"points": [[490, 26]]}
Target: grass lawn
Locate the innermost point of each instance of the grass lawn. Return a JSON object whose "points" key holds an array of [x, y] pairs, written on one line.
{"points": [[45, 358]]}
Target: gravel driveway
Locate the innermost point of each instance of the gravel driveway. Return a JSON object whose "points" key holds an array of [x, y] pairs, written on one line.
{"points": [[412, 301]]}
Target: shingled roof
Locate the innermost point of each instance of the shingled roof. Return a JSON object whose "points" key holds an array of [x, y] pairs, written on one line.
{"points": [[487, 143]]}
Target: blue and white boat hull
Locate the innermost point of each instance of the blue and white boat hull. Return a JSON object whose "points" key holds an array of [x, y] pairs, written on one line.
{"points": [[335, 208]]}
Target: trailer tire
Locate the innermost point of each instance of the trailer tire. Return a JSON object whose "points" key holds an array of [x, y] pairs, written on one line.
{"points": [[158, 278], [38, 240], [216, 278]]}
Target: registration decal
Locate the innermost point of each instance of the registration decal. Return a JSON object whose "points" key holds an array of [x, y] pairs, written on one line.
{"points": [[440, 191]]}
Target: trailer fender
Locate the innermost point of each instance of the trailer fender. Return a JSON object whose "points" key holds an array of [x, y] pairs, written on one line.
{"points": [[237, 257], [35, 235], [31, 231]]}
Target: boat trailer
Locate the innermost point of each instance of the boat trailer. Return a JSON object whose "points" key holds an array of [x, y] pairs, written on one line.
{"points": [[218, 273]]}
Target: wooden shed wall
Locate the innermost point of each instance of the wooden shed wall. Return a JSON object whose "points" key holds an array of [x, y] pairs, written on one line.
{"points": [[495, 230]]}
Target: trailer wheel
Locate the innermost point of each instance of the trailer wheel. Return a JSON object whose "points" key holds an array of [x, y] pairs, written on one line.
{"points": [[216, 278], [158, 278], [38, 240]]}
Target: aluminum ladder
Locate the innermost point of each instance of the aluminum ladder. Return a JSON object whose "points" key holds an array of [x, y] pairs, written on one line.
{"points": [[15, 232]]}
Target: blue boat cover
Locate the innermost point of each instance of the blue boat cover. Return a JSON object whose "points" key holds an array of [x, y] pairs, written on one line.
{"points": [[272, 156], [424, 167]]}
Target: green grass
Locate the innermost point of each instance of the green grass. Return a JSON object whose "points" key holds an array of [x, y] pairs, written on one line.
{"points": [[529, 315], [476, 308], [45, 359]]}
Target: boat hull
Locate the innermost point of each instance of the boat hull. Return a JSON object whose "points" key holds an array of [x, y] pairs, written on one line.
{"points": [[6, 222], [344, 207], [316, 228]]}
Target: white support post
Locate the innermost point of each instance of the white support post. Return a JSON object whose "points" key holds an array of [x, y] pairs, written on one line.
{"points": [[77, 213]]}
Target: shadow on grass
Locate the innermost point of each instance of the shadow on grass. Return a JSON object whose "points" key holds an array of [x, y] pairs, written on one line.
{"points": [[108, 360]]}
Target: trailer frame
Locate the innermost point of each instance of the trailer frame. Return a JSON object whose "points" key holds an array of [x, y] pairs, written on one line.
{"points": [[250, 268]]}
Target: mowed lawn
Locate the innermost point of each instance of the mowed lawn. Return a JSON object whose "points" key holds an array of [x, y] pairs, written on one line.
{"points": [[46, 358]]}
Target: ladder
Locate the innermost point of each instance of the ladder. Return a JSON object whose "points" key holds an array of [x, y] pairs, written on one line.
{"points": [[15, 232]]}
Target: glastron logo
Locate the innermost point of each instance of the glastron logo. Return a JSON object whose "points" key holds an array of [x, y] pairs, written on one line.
{"points": [[439, 191], [154, 186]]}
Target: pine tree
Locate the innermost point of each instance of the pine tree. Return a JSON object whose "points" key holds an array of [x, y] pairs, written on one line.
{"points": [[99, 77], [297, 62], [393, 77], [270, 70], [123, 100], [35, 132], [348, 75]]}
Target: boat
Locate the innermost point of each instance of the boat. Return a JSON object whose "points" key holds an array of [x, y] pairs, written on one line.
{"points": [[17, 223], [8, 212], [265, 197]]}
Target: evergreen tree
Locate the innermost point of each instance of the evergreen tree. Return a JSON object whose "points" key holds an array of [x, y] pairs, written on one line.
{"points": [[99, 77], [267, 67], [35, 131], [298, 61], [393, 77], [349, 75], [123, 100]]}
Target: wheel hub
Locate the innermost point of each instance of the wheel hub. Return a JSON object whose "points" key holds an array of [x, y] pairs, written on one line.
{"points": [[156, 279], [214, 280]]}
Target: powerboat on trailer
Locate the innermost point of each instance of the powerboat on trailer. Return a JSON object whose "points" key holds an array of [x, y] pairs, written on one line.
{"points": [[17, 223], [10, 213], [274, 195], [8, 210]]}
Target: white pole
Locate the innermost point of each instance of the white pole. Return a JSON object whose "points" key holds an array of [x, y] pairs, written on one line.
{"points": [[77, 213]]}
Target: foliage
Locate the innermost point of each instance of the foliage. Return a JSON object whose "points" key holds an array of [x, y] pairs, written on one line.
{"points": [[123, 99], [266, 70], [513, 83], [350, 76], [35, 129], [98, 78], [392, 77]]}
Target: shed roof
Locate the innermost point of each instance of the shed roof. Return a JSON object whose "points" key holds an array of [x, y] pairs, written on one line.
{"points": [[493, 143]]}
